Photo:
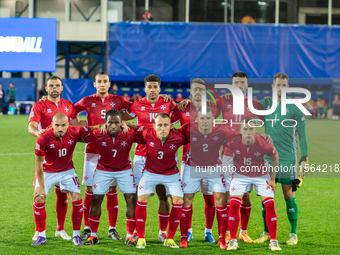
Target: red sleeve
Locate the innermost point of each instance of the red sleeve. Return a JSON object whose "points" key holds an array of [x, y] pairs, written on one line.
{"points": [[173, 105], [40, 148], [83, 131], [89, 138], [73, 114], [185, 129], [174, 116], [125, 103], [35, 114], [268, 148], [141, 132], [80, 106], [139, 136]]}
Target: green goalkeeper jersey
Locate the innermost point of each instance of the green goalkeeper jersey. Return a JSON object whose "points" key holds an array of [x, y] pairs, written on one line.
{"points": [[283, 133]]}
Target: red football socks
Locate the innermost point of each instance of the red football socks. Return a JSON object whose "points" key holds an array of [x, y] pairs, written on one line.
{"points": [[271, 217], [175, 216], [112, 207], [185, 221], [141, 218], [209, 210], [39, 216], [234, 216], [87, 205], [245, 215], [77, 214], [163, 221], [61, 208]]}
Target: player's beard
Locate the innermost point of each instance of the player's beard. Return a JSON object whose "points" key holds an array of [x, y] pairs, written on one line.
{"points": [[54, 94]]}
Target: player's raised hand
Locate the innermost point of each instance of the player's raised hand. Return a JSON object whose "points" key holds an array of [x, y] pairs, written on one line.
{"points": [[165, 97], [41, 131], [103, 129], [43, 98], [210, 102], [183, 105], [226, 95], [40, 191], [267, 137], [272, 184]]}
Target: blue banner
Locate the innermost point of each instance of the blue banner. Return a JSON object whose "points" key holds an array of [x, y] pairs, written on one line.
{"points": [[28, 44], [180, 51]]}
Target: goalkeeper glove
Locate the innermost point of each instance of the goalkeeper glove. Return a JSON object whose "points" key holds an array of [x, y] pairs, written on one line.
{"points": [[303, 169]]}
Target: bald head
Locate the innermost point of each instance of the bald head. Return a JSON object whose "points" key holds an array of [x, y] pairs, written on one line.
{"points": [[60, 124]]}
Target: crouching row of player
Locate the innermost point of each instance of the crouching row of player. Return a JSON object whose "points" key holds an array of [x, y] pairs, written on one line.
{"points": [[54, 165]]}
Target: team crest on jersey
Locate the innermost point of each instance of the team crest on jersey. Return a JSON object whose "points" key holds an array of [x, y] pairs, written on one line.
{"points": [[142, 108], [215, 138], [103, 143], [238, 152], [52, 146], [124, 143], [66, 109], [70, 142], [163, 107], [194, 139], [151, 144], [49, 111], [37, 146], [257, 154], [112, 104], [93, 105], [172, 146]]}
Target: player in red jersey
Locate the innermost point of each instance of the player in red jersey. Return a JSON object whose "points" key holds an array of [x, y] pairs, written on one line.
{"points": [[249, 150], [240, 80], [114, 163], [205, 143], [146, 110], [187, 116], [40, 118], [54, 149], [162, 143], [96, 107]]}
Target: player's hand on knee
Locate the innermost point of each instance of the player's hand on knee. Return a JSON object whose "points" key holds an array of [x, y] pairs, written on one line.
{"points": [[272, 184], [39, 192]]}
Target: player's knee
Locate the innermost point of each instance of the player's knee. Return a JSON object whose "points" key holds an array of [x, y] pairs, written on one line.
{"points": [[246, 199], [131, 200], [178, 200], [39, 199], [227, 197], [97, 201], [219, 199], [113, 189], [88, 188]]}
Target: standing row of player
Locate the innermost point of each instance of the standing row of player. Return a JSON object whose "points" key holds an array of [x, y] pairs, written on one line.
{"points": [[146, 110]]}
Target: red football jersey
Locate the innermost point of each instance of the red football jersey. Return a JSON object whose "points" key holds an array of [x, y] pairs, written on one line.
{"points": [[187, 116], [114, 151], [146, 113], [96, 109], [234, 120], [252, 157], [43, 111], [205, 150], [58, 152], [161, 155]]}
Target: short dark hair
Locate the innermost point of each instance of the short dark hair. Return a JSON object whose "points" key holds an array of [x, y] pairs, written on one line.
{"points": [[152, 77], [162, 115], [101, 73], [281, 76], [198, 80], [239, 75], [54, 77], [247, 119], [208, 110], [113, 112]]}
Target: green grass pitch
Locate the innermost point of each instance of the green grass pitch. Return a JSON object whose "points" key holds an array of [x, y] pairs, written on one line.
{"points": [[318, 200]]}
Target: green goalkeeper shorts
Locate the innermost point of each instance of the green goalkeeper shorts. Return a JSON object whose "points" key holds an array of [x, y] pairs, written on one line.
{"points": [[287, 172]]}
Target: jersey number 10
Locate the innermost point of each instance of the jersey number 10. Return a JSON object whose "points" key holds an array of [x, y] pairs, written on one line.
{"points": [[62, 152]]}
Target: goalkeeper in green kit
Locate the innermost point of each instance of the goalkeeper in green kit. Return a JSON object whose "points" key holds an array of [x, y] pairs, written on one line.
{"points": [[285, 141]]}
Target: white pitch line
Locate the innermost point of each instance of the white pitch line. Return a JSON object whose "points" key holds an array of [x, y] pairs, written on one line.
{"points": [[20, 154]]}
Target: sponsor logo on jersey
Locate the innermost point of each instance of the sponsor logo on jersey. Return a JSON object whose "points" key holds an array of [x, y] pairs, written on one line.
{"points": [[232, 218], [93, 105], [238, 152], [52, 146], [142, 108], [273, 219], [103, 143], [187, 114], [152, 144], [229, 106], [49, 111], [291, 210], [194, 139]]}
